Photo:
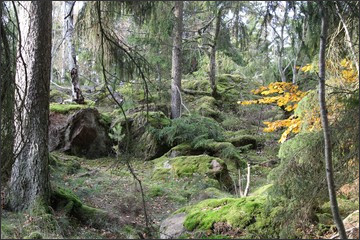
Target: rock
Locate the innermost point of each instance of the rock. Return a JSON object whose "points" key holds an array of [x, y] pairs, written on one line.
{"points": [[243, 140], [352, 220], [81, 134], [173, 226], [188, 166]]}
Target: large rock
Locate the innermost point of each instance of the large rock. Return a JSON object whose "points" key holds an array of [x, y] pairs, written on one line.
{"points": [[188, 166], [173, 226], [81, 134]]}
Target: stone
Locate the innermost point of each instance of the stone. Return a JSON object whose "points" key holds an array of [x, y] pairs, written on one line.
{"points": [[80, 134], [173, 226]]}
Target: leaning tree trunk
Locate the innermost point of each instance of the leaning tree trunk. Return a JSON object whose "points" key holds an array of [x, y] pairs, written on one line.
{"points": [[29, 184], [325, 125], [72, 64], [176, 61], [212, 72], [7, 95]]}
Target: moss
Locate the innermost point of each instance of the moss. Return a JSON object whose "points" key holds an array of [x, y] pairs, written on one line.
{"points": [[65, 200], [185, 166], [236, 212], [247, 214], [206, 106], [73, 167], [263, 190], [65, 108], [34, 235], [345, 207], [243, 140], [58, 96]]}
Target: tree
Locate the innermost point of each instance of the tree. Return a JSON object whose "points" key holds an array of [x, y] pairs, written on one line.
{"points": [[72, 64], [7, 91], [325, 124], [29, 183], [176, 61], [212, 72]]}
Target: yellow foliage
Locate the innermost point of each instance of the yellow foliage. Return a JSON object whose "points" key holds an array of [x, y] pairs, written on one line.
{"points": [[292, 124], [284, 94], [307, 68]]}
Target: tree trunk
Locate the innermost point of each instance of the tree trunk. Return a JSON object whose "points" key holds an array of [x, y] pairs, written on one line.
{"points": [[64, 53], [212, 73], [29, 184], [236, 25], [7, 91], [325, 125], [73, 67], [176, 61]]}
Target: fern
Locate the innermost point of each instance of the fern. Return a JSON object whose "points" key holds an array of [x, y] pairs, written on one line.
{"points": [[190, 129]]}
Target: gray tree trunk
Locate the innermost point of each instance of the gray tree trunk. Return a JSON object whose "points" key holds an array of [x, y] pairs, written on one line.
{"points": [[64, 53], [325, 125], [72, 64], [212, 73], [176, 61], [29, 183], [7, 97]]}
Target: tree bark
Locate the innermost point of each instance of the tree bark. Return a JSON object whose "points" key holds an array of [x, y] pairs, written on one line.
{"points": [[176, 61], [212, 73], [29, 183], [72, 64], [7, 91], [325, 125]]}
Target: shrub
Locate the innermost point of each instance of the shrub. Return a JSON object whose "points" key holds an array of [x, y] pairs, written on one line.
{"points": [[190, 129]]}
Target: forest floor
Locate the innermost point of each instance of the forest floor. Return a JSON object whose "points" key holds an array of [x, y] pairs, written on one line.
{"points": [[106, 184]]}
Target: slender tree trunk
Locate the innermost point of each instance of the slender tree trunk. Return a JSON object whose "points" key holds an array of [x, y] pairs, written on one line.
{"points": [[236, 25], [212, 73], [247, 188], [7, 94], [64, 53], [176, 61], [348, 38], [281, 47], [73, 67], [325, 125], [29, 184]]}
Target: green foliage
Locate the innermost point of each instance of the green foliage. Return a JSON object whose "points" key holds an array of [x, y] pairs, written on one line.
{"points": [[190, 129]]}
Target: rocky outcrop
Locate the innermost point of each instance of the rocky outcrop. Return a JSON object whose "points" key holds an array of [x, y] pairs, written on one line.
{"points": [[173, 226], [80, 134]]}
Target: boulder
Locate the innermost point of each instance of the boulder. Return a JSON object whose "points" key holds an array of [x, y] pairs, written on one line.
{"points": [[81, 134], [173, 226], [188, 166]]}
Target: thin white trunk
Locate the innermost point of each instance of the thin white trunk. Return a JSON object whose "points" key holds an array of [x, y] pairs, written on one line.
{"points": [[247, 188]]}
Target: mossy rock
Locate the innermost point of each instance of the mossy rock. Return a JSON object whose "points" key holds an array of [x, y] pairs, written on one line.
{"points": [[34, 235], [183, 149], [65, 108], [206, 106], [244, 215], [243, 140], [66, 201], [57, 96], [198, 84], [188, 166], [143, 144]]}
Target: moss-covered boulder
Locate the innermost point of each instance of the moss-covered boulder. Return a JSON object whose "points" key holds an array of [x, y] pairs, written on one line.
{"points": [[65, 201], [243, 140], [245, 216], [187, 166], [143, 143], [206, 106]]}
